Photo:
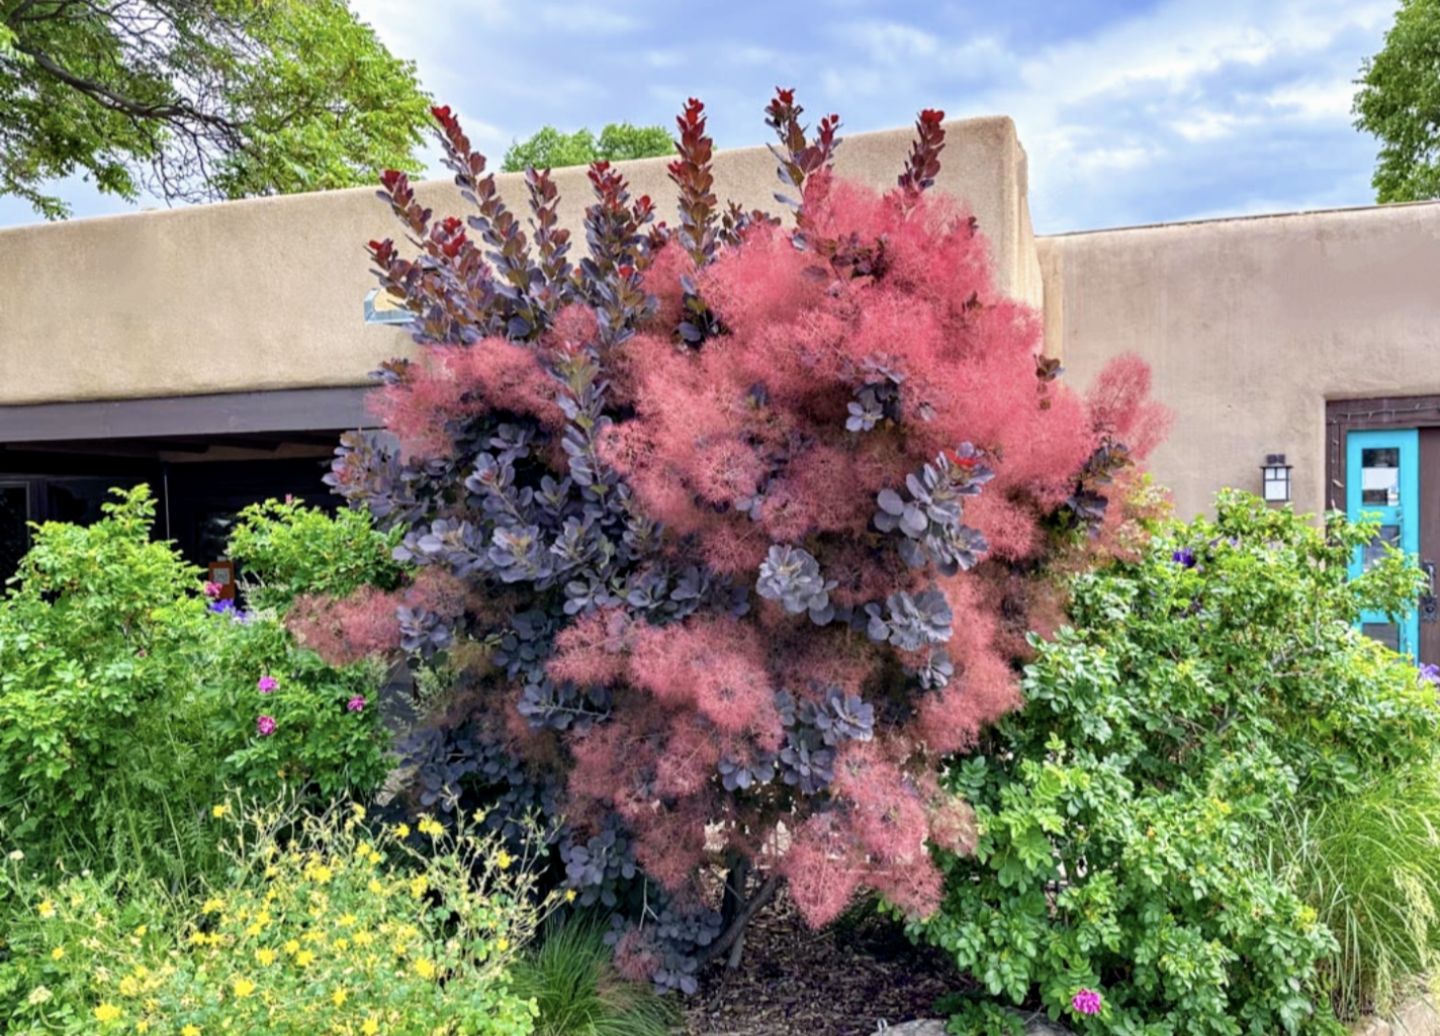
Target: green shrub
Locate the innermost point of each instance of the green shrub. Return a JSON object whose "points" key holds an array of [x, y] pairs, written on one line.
{"points": [[1121, 815], [571, 977], [126, 705], [326, 925], [287, 549], [1370, 866]]}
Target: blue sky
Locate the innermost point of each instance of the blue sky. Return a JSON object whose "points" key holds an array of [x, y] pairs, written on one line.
{"points": [[1131, 111]]}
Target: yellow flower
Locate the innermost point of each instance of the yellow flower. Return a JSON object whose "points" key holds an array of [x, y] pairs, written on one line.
{"points": [[359, 811], [376, 888], [244, 987], [57, 953], [339, 997], [219, 811], [364, 938], [373, 858], [107, 1013], [265, 956], [142, 1026], [402, 831], [303, 958], [502, 944], [190, 1030], [418, 884], [319, 873], [341, 945], [213, 905], [371, 1027], [424, 968], [140, 932], [348, 920], [569, 895], [271, 871], [46, 908], [255, 929], [129, 986], [430, 827], [292, 947], [197, 938], [504, 860]]}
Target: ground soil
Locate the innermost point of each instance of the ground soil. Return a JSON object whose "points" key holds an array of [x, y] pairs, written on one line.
{"points": [[840, 981]]}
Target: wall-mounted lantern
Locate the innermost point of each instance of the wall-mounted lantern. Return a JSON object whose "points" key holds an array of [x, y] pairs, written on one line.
{"points": [[1276, 479]]}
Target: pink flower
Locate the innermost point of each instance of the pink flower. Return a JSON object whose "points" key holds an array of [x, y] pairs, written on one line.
{"points": [[213, 591], [266, 684], [1086, 1001], [355, 704], [265, 726]]}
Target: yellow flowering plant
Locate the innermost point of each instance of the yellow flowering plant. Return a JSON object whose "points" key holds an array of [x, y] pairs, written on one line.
{"points": [[329, 925]]}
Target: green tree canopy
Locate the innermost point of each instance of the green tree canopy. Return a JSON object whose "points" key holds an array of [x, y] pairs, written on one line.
{"points": [[1399, 102], [551, 149], [198, 100]]}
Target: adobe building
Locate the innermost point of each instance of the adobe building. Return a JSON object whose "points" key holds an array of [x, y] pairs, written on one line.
{"points": [[217, 352]]}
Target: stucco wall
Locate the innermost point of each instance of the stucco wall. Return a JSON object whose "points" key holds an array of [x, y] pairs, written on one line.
{"points": [[1249, 326], [267, 294]]}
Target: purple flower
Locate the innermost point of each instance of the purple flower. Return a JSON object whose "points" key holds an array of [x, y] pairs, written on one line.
{"points": [[1430, 674], [265, 726], [355, 704], [1184, 556], [266, 684], [1087, 1001], [223, 607]]}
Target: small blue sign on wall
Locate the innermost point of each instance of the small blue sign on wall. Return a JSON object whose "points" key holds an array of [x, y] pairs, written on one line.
{"points": [[383, 308]]}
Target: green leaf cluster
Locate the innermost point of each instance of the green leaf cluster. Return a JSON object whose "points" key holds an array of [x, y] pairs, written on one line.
{"points": [[127, 706], [286, 549], [1200, 694], [1399, 102], [195, 100], [618, 142]]}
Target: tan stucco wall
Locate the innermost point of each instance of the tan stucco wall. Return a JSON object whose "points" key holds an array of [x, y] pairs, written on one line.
{"points": [[267, 294], [1249, 326]]}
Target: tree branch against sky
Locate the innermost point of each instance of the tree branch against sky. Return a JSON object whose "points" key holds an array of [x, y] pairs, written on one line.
{"points": [[1399, 102], [199, 100]]}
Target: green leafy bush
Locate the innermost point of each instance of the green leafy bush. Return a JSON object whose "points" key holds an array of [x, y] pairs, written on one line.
{"points": [[126, 704], [325, 925], [287, 549], [1121, 815], [577, 991], [1370, 866]]}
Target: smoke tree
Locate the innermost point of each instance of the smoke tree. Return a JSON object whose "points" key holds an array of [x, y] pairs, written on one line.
{"points": [[725, 531]]}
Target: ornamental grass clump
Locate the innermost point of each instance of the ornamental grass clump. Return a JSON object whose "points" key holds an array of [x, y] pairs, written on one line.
{"points": [[724, 526], [329, 925]]}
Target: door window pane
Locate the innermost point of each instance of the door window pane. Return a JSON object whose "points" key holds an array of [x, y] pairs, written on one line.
{"points": [[1386, 633], [1375, 549], [14, 535], [1380, 476]]}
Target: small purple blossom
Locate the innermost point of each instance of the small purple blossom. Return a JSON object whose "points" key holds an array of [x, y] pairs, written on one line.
{"points": [[266, 684], [1430, 674], [355, 704], [1087, 1001], [1184, 557], [265, 726], [223, 607]]}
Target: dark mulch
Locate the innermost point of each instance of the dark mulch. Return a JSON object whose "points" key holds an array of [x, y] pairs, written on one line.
{"points": [[840, 981]]}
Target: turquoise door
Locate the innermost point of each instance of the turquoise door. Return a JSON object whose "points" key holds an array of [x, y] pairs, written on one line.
{"points": [[1382, 482]]}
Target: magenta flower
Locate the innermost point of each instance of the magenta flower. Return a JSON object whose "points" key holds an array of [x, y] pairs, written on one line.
{"points": [[1087, 1001], [265, 726], [266, 684], [355, 704], [213, 591]]}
